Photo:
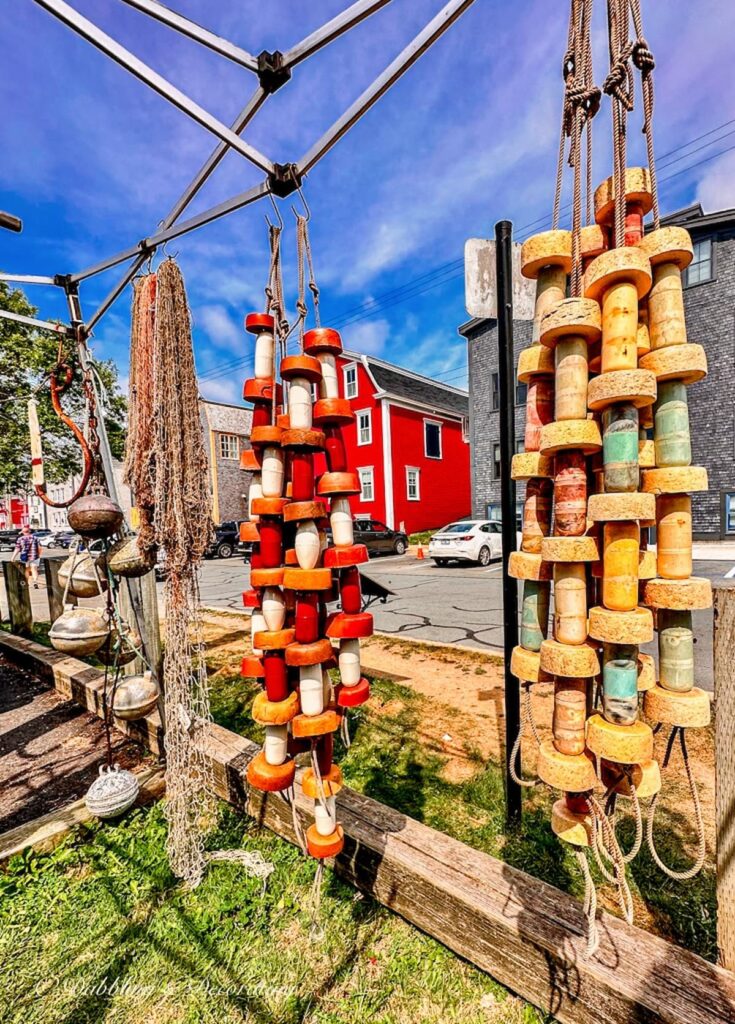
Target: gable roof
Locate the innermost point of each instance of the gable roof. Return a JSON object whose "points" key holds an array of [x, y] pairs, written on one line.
{"points": [[227, 419], [398, 382]]}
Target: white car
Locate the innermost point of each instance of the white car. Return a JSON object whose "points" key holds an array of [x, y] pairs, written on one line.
{"points": [[469, 540]]}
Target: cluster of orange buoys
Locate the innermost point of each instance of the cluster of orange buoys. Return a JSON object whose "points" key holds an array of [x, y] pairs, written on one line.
{"points": [[604, 370], [295, 573]]}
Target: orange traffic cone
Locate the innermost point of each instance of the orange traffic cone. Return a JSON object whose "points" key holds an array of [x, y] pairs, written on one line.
{"points": [[420, 552]]}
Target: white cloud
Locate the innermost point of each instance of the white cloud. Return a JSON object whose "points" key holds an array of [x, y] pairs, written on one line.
{"points": [[716, 189], [219, 326], [222, 390], [368, 337]]}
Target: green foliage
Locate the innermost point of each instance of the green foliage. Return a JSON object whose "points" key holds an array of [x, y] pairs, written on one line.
{"points": [[26, 358], [421, 538]]}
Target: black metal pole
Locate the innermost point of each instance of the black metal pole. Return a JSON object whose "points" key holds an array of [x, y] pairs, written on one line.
{"points": [[506, 375], [10, 222]]}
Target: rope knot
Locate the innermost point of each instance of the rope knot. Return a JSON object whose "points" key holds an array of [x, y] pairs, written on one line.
{"points": [[569, 65], [642, 57], [616, 78]]}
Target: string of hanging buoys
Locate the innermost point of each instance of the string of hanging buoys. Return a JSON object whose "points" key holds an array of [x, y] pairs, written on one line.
{"points": [[607, 364], [294, 572]]}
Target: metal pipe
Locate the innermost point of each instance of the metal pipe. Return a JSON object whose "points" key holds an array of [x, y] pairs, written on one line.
{"points": [[240, 123], [148, 245], [332, 30], [27, 279], [30, 321], [10, 222], [506, 376], [190, 28], [408, 57], [93, 34]]}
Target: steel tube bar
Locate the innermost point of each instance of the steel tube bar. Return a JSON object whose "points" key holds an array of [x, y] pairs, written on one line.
{"points": [[27, 279], [93, 34], [201, 35], [408, 57], [506, 375], [332, 30], [243, 119], [30, 321], [149, 244]]}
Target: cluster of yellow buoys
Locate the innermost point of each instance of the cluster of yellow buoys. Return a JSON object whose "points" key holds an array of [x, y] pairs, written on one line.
{"points": [[603, 370]]}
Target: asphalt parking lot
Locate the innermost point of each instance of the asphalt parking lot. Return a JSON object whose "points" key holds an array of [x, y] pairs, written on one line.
{"points": [[458, 603]]}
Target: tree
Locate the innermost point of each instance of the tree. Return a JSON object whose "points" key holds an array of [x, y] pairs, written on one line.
{"points": [[27, 357]]}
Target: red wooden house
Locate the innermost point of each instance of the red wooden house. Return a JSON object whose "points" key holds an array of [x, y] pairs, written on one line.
{"points": [[409, 444]]}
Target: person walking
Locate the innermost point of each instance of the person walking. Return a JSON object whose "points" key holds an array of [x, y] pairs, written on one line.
{"points": [[28, 553]]}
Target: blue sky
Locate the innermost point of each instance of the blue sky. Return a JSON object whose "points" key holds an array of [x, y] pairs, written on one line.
{"points": [[93, 159]]}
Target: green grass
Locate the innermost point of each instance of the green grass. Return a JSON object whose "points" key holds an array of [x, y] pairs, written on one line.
{"points": [[101, 931], [423, 537]]}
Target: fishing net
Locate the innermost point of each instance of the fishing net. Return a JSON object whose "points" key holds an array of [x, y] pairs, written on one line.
{"points": [[138, 466]]}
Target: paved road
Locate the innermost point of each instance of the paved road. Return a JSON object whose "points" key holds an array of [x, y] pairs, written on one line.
{"points": [[454, 604]]}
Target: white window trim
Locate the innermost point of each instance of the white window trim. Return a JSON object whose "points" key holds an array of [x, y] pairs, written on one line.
{"points": [[369, 414], [371, 471], [439, 424], [417, 471], [220, 438], [345, 368]]}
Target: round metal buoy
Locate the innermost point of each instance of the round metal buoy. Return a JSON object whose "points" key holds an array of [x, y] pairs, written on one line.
{"points": [[79, 631], [95, 516], [112, 792], [134, 697]]}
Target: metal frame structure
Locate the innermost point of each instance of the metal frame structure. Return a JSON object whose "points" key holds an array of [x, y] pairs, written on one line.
{"points": [[273, 70]]}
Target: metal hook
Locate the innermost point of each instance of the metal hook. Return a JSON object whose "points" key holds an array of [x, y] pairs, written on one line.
{"points": [[277, 212], [303, 200], [164, 248]]}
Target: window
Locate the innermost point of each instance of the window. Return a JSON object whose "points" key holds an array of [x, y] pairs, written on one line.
{"points": [[466, 428], [365, 474], [432, 439], [490, 527], [364, 427], [520, 444], [412, 483], [349, 373], [229, 446], [729, 512], [495, 391], [493, 511], [521, 392], [496, 462], [700, 269]]}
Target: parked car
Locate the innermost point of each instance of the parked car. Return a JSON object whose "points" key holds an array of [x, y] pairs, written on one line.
{"points": [[63, 538], [379, 539], [226, 540], [44, 537], [8, 539], [469, 540]]}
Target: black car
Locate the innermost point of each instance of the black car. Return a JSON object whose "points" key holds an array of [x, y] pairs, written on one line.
{"points": [[379, 539], [226, 540], [8, 539]]}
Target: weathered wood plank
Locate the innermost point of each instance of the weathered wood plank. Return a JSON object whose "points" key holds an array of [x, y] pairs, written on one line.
{"points": [[54, 589], [46, 832], [724, 673], [527, 934], [19, 598]]}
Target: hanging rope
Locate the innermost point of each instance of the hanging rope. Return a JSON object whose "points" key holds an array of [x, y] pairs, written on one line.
{"points": [[589, 905], [699, 821], [274, 301], [526, 719], [603, 837], [611, 798], [304, 260], [643, 59], [581, 103]]}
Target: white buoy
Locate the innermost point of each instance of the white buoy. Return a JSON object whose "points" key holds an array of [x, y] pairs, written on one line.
{"points": [[255, 490], [272, 474], [349, 662], [325, 816], [264, 355], [274, 608], [299, 403], [311, 689], [329, 383], [275, 746], [307, 544], [257, 625], [340, 517]]}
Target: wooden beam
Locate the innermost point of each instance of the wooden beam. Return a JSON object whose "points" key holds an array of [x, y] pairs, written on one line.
{"points": [[19, 598], [723, 647], [54, 589], [525, 933], [45, 833]]}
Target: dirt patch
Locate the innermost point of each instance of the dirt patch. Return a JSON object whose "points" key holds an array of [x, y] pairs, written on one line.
{"points": [[50, 748]]}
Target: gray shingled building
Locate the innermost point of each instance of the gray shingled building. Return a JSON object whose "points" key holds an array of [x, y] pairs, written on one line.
{"points": [[226, 434], [709, 299]]}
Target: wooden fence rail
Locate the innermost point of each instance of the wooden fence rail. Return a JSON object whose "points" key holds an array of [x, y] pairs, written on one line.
{"points": [[522, 931]]}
